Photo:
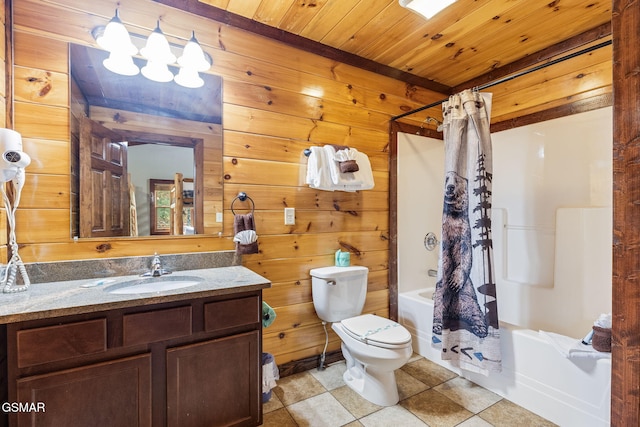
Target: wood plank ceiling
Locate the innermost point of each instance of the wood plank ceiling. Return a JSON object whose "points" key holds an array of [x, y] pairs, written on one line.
{"points": [[468, 44]]}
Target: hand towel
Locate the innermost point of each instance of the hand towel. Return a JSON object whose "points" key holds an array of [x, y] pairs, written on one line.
{"points": [[268, 315], [572, 348], [244, 222], [352, 181], [346, 158], [364, 174], [340, 181]]}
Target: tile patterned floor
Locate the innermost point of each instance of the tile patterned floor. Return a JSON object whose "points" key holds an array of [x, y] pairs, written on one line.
{"points": [[430, 395]]}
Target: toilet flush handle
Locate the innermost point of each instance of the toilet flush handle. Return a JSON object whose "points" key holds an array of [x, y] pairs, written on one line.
{"points": [[331, 282]]}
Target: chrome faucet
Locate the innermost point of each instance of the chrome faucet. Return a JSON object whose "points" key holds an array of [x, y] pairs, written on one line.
{"points": [[156, 268]]}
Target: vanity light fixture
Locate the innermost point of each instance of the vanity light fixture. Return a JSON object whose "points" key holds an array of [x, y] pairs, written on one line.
{"points": [[426, 8], [157, 50]]}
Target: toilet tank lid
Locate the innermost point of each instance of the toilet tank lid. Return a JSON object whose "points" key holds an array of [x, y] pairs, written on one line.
{"points": [[333, 272]]}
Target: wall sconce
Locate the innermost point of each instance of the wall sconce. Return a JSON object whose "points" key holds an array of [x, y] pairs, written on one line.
{"points": [[426, 8], [115, 39]]}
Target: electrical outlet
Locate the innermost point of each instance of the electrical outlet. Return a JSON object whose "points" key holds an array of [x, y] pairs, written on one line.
{"points": [[218, 216], [289, 216]]}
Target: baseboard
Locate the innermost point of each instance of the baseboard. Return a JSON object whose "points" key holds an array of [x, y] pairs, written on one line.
{"points": [[302, 365]]}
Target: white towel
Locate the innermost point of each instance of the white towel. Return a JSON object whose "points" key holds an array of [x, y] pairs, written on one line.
{"points": [[323, 171], [341, 181], [572, 348], [365, 174], [350, 181], [318, 174]]}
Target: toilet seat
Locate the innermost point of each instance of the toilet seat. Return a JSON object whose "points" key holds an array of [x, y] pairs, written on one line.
{"points": [[377, 331]]}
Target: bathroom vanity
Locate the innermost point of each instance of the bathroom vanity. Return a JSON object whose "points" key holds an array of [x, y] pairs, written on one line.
{"points": [[185, 357]]}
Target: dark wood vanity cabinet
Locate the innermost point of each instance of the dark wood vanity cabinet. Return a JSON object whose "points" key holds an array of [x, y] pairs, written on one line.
{"points": [[188, 363]]}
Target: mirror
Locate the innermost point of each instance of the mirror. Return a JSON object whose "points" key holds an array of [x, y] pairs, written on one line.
{"points": [[142, 152]]}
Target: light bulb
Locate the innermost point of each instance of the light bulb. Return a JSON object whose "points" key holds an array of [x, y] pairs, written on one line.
{"points": [[116, 37], [189, 77], [121, 63], [193, 55], [157, 48], [157, 71]]}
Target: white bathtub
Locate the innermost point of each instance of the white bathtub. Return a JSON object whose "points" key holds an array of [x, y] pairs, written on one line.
{"points": [[568, 392]]}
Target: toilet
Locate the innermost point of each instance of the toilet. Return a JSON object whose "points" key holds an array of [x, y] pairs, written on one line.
{"points": [[373, 346]]}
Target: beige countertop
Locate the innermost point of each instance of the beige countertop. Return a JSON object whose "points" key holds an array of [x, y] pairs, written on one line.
{"points": [[43, 300]]}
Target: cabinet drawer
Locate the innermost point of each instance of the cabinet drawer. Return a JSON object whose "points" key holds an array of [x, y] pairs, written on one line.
{"points": [[230, 313], [60, 342], [153, 326]]}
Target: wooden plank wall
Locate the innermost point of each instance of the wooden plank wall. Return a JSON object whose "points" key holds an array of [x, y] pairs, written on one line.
{"points": [[3, 116], [277, 102], [625, 350]]}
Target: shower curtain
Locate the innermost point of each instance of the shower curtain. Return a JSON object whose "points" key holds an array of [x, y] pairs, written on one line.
{"points": [[465, 318]]}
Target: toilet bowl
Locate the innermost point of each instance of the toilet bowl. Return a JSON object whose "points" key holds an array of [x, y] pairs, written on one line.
{"points": [[373, 347]]}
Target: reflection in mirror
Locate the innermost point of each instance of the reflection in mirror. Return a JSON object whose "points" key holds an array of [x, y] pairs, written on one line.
{"points": [[128, 132]]}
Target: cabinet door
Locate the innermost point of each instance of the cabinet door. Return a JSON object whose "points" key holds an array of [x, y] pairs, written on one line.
{"points": [[215, 383], [115, 394]]}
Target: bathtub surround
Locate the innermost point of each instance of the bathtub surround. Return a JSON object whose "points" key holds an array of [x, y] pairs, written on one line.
{"points": [[552, 243], [465, 315]]}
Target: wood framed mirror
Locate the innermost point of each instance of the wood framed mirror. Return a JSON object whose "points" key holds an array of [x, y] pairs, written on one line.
{"points": [[123, 131]]}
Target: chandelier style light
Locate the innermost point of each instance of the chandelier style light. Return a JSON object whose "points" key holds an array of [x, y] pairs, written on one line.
{"points": [[115, 39]]}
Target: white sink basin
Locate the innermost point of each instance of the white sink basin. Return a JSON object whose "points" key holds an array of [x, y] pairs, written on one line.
{"points": [[153, 284]]}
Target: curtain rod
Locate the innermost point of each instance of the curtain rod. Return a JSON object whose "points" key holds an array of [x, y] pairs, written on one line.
{"points": [[510, 77]]}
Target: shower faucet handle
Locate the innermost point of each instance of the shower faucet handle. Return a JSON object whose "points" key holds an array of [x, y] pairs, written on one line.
{"points": [[430, 241]]}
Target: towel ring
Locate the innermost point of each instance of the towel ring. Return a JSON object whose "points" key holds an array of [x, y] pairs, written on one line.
{"points": [[242, 196]]}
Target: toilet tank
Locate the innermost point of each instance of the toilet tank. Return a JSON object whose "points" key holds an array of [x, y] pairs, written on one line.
{"points": [[339, 292]]}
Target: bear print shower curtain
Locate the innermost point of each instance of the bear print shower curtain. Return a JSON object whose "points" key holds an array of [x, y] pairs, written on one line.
{"points": [[465, 318]]}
